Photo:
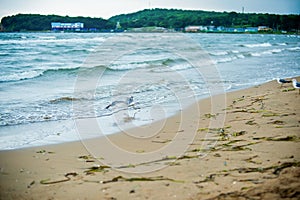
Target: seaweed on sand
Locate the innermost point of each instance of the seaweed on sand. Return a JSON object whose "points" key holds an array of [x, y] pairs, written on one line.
{"points": [[277, 168], [97, 168], [156, 178], [67, 178], [167, 158], [278, 139]]}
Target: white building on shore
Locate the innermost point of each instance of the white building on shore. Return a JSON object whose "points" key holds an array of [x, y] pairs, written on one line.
{"points": [[58, 26]]}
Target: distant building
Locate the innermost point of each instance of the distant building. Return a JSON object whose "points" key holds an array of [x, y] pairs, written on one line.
{"points": [[192, 28], [195, 28], [219, 29], [264, 28], [58, 26]]}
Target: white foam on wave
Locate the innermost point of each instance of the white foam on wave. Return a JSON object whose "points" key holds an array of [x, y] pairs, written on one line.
{"points": [[276, 50], [21, 76], [34, 73], [269, 52], [294, 49], [218, 53], [174, 67], [225, 60], [52, 39], [256, 54], [282, 44], [182, 66], [44, 134], [125, 66], [241, 56], [258, 45], [46, 37]]}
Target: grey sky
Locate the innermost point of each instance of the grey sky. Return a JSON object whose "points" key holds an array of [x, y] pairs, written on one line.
{"points": [[106, 9]]}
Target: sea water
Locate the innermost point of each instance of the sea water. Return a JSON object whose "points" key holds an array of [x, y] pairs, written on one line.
{"points": [[39, 75]]}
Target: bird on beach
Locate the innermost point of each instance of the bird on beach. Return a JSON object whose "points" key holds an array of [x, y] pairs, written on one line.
{"points": [[128, 102], [296, 84], [282, 81]]}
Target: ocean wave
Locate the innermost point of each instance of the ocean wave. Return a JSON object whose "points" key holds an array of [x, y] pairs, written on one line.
{"points": [[166, 64], [61, 70], [218, 53], [224, 60], [294, 49], [235, 51], [20, 76], [25, 75], [70, 51], [182, 66], [46, 37], [51, 39], [282, 44], [4, 54], [126, 66], [159, 64], [240, 56], [11, 119], [269, 52], [276, 50], [257, 45], [237, 55]]}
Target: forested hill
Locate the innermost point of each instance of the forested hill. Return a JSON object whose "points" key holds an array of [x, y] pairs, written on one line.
{"points": [[156, 17], [182, 18], [36, 22]]}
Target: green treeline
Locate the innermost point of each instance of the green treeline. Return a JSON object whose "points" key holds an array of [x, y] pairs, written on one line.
{"points": [[36, 22], [180, 19], [167, 18]]}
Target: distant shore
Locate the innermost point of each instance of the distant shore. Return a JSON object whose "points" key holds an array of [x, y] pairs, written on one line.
{"points": [[155, 31], [255, 154], [162, 19]]}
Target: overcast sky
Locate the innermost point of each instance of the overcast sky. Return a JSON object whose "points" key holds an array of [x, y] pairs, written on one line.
{"points": [[108, 8]]}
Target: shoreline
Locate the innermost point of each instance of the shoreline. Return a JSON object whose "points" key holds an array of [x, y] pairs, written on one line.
{"points": [[260, 135], [77, 138], [180, 32]]}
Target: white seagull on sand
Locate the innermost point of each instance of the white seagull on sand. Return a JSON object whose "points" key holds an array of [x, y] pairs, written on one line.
{"points": [[282, 81], [296, 84]]}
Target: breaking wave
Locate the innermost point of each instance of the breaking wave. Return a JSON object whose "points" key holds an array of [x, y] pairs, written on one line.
{"points": [[257, 45], [31, 74], [161, 65]]}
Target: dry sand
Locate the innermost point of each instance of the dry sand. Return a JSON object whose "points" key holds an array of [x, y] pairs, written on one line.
{"points": [[253, 155]]}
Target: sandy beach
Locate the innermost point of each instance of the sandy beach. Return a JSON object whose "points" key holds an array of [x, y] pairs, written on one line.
{"points": [[253, 155]]}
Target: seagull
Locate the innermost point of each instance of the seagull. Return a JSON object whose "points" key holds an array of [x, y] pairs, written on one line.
{"points": [[296, 84], [282, 81], [128, 102]]}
